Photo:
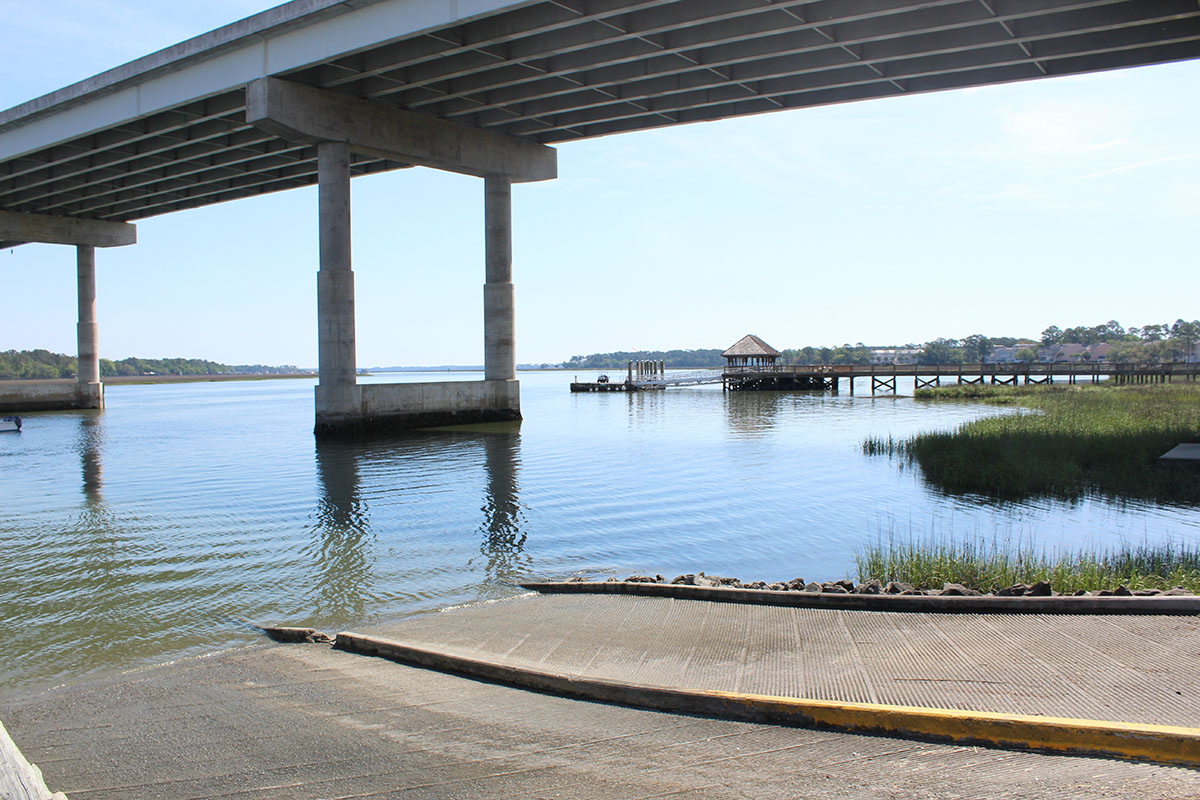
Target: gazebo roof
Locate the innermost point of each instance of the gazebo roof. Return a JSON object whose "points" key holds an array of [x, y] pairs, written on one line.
{"points": [[750, 345]]}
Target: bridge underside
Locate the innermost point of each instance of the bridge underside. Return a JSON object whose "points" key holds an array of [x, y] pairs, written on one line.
{"points": [[478, 87], [553, 72]]}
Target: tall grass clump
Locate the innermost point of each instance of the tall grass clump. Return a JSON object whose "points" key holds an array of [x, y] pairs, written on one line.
{"points": [[878, 446], [1101, 439], [997, 394], [989, 566]]}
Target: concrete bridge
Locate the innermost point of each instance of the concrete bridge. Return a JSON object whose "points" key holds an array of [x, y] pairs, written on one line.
{"points": [[318, 91]]}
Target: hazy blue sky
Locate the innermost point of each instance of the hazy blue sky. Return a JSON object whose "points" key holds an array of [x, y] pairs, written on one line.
{"points": [[998, 211]]}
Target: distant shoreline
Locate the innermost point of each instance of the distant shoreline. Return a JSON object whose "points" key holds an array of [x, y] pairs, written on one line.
{"points": [[139, 379], [134, 380], [145, 379]]}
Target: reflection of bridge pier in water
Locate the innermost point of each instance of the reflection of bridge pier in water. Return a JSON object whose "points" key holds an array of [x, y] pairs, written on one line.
{"points": [[344, 547], [97, 544], [345, 540], [90, 441], [503, 541]]}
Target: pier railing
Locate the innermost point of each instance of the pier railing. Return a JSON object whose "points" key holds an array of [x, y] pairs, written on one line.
{"points": [[883, 376], [1057, 369]]}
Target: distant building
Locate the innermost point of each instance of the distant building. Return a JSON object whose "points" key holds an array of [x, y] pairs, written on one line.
{"points": [[1001, 355], [895, 355], [1004, 354], [1074, 353], [750, 351]]}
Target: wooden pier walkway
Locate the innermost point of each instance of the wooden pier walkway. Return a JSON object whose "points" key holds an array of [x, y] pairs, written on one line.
{"points": [[883, 377]]}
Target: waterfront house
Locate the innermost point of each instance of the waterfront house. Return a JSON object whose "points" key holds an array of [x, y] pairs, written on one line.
{"points": [[1058, 353], [895, 355], [1002, 355], [1074, 353], [750, 351]]}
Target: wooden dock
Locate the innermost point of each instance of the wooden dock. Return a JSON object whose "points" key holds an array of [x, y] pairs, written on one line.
{"points": [[640, 376], [611, 386], [883, 377]]}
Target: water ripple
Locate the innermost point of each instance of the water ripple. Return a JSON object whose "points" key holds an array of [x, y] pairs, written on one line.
{"points": [[148, 531]]}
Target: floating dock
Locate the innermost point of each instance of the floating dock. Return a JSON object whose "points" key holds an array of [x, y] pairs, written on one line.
{"points": [[640, 376]]}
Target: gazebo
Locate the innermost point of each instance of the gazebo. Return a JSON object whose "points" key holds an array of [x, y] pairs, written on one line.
{"points": [[750, 351]]}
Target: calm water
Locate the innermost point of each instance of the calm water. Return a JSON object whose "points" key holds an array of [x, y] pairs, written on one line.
{"points": [[148, 531]]}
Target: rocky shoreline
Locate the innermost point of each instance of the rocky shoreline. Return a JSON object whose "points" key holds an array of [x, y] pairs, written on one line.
{"points": [[875, 587]]}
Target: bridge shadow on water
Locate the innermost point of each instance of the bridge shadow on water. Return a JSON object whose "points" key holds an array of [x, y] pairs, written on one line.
{"points": [[362, 483]]}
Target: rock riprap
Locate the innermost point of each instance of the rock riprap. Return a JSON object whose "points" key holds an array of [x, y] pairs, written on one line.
{"points": [[873, 586]]}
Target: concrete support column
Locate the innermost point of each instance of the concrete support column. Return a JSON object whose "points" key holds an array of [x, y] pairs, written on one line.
{"points": [[89, 358], [499, 343], [91, 394], [336, 388]]}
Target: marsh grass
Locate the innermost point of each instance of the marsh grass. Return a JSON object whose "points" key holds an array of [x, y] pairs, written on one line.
{"points": [[990, 565], [1102, 439]]}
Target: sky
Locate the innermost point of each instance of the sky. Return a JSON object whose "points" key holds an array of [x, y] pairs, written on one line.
{"points": [[999, 210]]}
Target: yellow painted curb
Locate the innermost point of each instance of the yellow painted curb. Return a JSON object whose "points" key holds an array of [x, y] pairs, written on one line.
{"points": [[1162, 744], [1165, 744]]}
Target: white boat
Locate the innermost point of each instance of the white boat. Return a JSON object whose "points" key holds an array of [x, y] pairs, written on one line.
{"points": [[12, 424]]}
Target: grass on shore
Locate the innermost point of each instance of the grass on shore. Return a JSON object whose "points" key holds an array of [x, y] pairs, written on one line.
{"points": [[1079, 439], [988, 566]]}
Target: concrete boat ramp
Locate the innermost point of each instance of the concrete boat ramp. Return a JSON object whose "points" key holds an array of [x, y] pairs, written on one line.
{"points": [[315, 721]]}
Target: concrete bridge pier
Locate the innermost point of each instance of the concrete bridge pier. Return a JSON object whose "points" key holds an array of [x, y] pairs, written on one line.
{"points": [[338, 398], [85, 235], [499, 340], [340, 125], [90, 389]]}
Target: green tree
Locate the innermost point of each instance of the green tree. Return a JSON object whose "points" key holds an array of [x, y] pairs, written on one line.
{"points": [[1154, 333], [941, 351], [1080, 334], [976, 348], [1170, 350], [1052, 335], [1187, 333], [1026, 355], [1128, 353], [673, 359]]}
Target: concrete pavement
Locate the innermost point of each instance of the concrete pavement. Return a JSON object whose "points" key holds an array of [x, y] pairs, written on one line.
{"points": [[1142, 669], [307, 721]]}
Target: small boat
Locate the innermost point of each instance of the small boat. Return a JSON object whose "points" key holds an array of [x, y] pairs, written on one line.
{"points": [[8, 424]]}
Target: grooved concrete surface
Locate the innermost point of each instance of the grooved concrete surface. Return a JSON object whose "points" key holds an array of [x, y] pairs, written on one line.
{"points": [[1116, 668], [309, 722], [305, 722]]}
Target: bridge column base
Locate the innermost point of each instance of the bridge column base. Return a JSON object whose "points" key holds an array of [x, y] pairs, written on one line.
{"points": [[49, 395], [89, 395], [393, 407]]}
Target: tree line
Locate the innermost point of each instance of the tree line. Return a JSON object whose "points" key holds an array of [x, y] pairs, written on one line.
{"points": [[43, 364], [1154, 343], [674, 359]]}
